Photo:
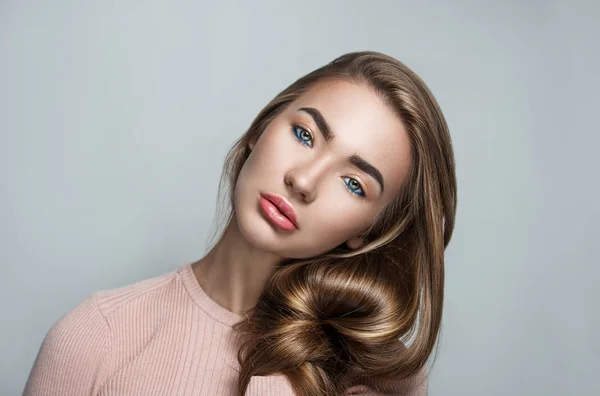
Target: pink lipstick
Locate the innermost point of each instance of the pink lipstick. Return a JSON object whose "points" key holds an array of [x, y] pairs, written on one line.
{"points": [[279, 211]]}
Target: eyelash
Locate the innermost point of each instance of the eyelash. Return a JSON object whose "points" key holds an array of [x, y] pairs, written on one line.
{"points": [[302, 141]]}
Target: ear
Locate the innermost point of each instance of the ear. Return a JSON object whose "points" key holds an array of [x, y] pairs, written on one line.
{"points": [[251, 144], [355, 242]]}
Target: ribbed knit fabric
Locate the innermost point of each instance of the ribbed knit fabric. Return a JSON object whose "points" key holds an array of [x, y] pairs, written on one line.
{"points": [[160, 336]]}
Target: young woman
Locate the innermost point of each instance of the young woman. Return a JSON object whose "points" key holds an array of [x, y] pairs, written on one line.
{"points": [[328, 278]]}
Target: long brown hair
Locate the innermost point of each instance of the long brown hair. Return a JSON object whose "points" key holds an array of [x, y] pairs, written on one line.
{"points": [[329, 321]]}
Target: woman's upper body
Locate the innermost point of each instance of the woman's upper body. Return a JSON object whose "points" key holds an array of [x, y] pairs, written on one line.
{"points": [[332, 268], [160, 336]]}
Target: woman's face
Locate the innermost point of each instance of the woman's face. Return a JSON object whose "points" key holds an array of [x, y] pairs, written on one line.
{"points": [[333, 199]]}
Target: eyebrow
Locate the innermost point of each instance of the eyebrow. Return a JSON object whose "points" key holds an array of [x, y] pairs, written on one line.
{"points": [[354, 159]]}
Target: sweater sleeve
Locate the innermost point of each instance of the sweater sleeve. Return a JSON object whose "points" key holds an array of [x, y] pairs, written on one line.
{"points": [[71, 355], [279, 385], [270, 385], [412, 386]]}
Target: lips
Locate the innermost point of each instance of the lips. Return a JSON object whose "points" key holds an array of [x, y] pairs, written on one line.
{"points": [[282, 205]]}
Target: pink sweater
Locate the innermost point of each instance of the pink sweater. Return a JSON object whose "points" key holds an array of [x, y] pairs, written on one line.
{"points": [[160, 336]]}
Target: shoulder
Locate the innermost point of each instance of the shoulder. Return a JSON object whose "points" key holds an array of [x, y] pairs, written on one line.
{"points": [[93, 312], [111, 301], [74, 353], [71, 353], [84, 323]]}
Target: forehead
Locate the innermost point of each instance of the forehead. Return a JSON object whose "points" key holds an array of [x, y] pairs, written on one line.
{"points": [[362, 123]]}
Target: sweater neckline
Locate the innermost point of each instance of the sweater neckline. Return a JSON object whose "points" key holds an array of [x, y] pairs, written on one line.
{"points": [[199, 296]]}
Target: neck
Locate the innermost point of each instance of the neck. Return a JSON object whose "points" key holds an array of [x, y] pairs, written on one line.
{"points": [[234, 273]]}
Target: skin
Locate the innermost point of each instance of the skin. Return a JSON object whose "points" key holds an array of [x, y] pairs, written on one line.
{"points": [[315, 181]]}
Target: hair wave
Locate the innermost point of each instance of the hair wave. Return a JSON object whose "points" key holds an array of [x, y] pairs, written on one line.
{"points": [[345, 317]]}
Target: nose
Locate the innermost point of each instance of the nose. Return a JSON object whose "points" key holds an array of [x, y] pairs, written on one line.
{"points": [[303, 179]]}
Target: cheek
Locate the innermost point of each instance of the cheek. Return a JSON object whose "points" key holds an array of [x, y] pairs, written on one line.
{"points": [[338, 218], [264, 168], [272, 152], [325, 234]]}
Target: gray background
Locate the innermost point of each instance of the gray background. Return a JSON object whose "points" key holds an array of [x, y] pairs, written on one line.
{"points": [[115, 117]]}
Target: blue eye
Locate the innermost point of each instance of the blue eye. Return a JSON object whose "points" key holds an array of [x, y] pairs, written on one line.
{"points": [[353, 187], [306, 138], [302, 137]]}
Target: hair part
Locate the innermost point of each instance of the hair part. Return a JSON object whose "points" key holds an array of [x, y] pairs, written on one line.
{"points": [[345, 317]]}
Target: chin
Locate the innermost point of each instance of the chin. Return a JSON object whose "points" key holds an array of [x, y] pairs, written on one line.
{"points": [[256, 230]]}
